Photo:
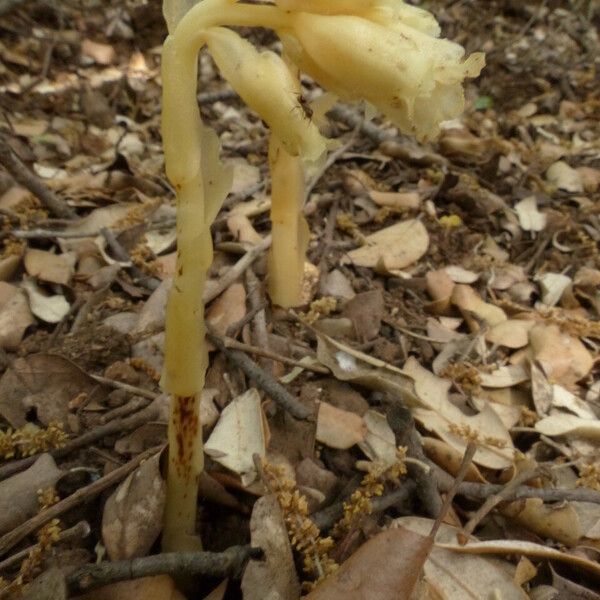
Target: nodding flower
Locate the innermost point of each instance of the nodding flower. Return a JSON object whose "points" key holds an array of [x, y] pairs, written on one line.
{"points": [[389, 56], [267, 85]]}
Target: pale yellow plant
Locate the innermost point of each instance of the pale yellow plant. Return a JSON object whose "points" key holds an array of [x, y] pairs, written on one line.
{"points": [[382, 51]]}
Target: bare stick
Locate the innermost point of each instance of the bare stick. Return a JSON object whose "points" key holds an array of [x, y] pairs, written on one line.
{"points": [[33, 183], [12, 538], [492, 501], [214, 564], [119, 385], [149, 413], [327, 517], [262, 379], [462, 472], [482, 491], [78, 531], [150, 283], [403, 426], [234, 344], [211, 292]]}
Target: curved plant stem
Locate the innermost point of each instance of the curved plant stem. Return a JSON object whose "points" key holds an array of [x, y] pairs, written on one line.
{"points": [[191, 162]]}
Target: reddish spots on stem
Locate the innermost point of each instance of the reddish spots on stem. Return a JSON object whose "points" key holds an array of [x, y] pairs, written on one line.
{"points": [[186, 425]]}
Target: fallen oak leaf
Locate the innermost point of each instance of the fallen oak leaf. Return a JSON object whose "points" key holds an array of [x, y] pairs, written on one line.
{"points": [[526, 549], [366, 576]]}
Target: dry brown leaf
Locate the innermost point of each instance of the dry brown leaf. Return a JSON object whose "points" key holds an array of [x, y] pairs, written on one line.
{"points": [[339, 428], [227, 309], [513, 333], [336, 284], [590, 178], [564, 359], [51, 309], [449, 459], [459, 274], [366, 310], [348, 364], [242, 229], [275, 575], [559, 523], [471, 305], [132, 518], [495, 448], [54, 268], [102, 54], [530, 218], [454, 577], [15, 316], [565, 424], [440, 287], [505, 376], [386, 567], [9, 265], [238, 435], [396, 200], [553, 285], [18, 494], [108, 216], [526, 549], [564, 177], [380, 440], [392, 248], [47, 383]]}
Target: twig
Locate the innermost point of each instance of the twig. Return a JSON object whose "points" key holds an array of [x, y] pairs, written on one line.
{"points": [[492, 501], [326, 518], [78, 531], [350, 117], [453, 490], [150, 283], [211, 97], [234, 344], [234, 328], [262, 379], [32, 234], [119, 385], [150, 413], [33, 183], [482, 491], [260, 334], [236, 270], [403, 426], [177, 564], [234, 199], [12, 538]]}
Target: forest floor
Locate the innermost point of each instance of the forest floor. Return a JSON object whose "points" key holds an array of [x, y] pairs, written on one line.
{"points": [[452, 305]]}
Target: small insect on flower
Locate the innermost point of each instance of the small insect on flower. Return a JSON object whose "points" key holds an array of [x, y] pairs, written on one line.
{"points": [[304, 106]]}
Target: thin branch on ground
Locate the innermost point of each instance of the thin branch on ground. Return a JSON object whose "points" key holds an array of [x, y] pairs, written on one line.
{"points": [[237, 270], [325, 519], [79, 531], [482, 491], [150, 283], [127, 387], [23, 176], [403, 426], [229, 563], [249, 349], [12, 538], [492, 501], [262, 379], [150, 413]]}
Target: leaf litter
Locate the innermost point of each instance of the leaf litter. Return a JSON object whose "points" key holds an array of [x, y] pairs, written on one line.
{"points": [[458, 279]]}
